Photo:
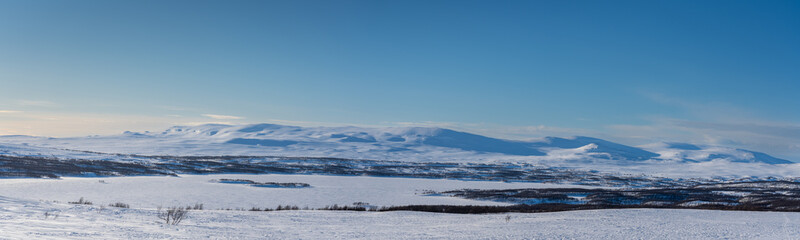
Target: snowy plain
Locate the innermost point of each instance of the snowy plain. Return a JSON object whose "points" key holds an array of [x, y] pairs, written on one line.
{"points": [[24, 219], [153, 191]]}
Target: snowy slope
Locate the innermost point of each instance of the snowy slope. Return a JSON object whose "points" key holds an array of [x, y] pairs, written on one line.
{"points": [[398, 143], [701, 153]]}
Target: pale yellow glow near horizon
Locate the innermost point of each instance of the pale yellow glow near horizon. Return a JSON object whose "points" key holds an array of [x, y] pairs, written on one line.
{"points": [[79, 125]]}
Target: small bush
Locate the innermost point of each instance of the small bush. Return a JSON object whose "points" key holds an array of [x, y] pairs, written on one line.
{"points": [[49, 214], [120, 205], [336, 207], [173, 215], [82, 202], [197, 206]]}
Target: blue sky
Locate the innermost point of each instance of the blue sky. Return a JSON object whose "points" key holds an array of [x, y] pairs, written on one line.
{"points": [[716, 72]]}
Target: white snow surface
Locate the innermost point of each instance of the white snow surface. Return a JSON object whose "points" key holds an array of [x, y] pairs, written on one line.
{"points": [[25, 219], [701, 153], [154, 191]]}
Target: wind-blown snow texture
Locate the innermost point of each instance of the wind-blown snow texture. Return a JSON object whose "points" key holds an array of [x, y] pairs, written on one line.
{"points": [[25, 219], [400, 143], [22, 217]]}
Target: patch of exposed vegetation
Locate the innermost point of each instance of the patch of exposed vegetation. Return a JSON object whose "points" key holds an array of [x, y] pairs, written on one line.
{"points": [[46, 167], [756, 196], [119, 205], [264, 184], [81, 202]]}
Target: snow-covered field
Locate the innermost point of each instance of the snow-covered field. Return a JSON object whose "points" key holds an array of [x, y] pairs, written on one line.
{"points": [[37, 209], [23, 219], [154, 191]]}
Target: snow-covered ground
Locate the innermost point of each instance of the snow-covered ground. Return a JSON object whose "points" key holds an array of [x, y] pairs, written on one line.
{"points": [[25, 219], [154, 191]]}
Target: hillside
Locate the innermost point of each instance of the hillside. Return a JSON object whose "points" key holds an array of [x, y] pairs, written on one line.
{"points": [[393, 143]]}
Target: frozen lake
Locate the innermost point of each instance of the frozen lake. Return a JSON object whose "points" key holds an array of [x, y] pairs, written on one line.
{"points": [[153, 191]]}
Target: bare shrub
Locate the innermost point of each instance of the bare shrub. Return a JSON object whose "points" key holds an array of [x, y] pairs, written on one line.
{"points": [[336, 207], [197, 206], [173, 215], [49, 214], [287, 207], [120, 205], [82, 202]]}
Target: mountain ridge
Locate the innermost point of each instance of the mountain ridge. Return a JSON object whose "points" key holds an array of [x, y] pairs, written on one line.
{"points": [[389, 143]]}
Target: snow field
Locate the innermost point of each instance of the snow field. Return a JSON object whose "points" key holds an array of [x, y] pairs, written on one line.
{"points": [[23, 219], [154, 191]]}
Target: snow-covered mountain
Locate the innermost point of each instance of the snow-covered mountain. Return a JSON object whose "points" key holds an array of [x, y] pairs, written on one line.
{"points": [[701, 153], [393, 143]]}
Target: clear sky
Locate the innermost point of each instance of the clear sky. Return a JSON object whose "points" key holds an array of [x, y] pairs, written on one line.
{"points": [[715, 72]]}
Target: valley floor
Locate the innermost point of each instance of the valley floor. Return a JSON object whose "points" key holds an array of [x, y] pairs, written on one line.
{"points": [[153, 191], [23, 219], [38, 209]]}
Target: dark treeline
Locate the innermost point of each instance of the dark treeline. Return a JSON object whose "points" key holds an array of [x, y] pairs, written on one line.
{"points": [[524, 208], [757, 196], [559, 207]]}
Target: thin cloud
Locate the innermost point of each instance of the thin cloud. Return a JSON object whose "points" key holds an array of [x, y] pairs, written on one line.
{"points": [[222, 117], [775, 139], [81, 124], [36, 103], [524, 132], [785, 131], [207, 122], [9, 111], [713, 123], [707, 111], [178, 108]]}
